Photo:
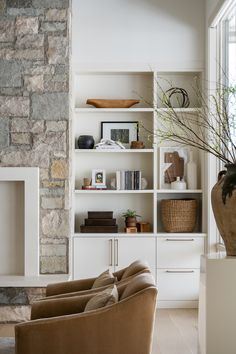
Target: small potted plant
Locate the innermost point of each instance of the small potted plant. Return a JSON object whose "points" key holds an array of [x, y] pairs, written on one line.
{"points": [[130, 218]]}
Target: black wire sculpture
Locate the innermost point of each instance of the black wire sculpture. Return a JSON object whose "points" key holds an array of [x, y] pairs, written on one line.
{"points": [[180, 95]]}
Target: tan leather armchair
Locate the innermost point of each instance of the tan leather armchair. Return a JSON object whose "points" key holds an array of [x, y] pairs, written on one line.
{"points": [[59, 326], [83, 285]]}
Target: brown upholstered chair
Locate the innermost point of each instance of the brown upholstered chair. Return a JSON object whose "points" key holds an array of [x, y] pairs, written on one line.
{"points": [[59, 326], [83, 285]]}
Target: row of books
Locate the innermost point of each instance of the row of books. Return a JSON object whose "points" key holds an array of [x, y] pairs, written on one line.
{"points": [[128, 180]]}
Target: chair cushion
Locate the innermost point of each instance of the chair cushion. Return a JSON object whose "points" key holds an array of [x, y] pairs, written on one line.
{"points": [[134, 268], [106, 278], [138, 283], [104, 298]]}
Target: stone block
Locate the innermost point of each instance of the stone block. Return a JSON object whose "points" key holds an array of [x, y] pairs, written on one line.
{"points": [[53, 250], [52, 203], [59, 169], [10, 74], [57, 50], [56, 83], [55, 141], [19, 3], [11, 91], [26, 54], [52, 184], [56, 15], [44, 173], [56, 126], [20, 125], [26, 25], [7, 53], [4, 132], [28, 11], [53, 265], [15, 314], [34, 158], [40, 70], [7, 29], [14, 106], [50, 4], [21, 138], [30, 41], [50, 106], [52, 27], [37, 126], [35, 294], [54, 241], [2, 7], [55, 223], [13, 296], [34, 83]]}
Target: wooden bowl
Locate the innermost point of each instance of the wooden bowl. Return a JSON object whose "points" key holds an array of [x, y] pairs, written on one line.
{"points": [[102, 103]]}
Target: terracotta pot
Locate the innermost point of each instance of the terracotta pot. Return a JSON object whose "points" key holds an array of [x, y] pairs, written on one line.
{"points": [[223, 198], [130, 221]]}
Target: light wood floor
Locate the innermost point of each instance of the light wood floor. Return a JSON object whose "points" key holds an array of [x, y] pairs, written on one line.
{"points": [[175, 331]]}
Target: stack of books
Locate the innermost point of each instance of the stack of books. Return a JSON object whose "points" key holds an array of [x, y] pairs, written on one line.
{"points": [[128, 180], [94, 188], [99, 221]]}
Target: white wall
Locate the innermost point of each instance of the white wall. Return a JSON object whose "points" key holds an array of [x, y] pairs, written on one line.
{"points": [[160, 34], [212, 8]]}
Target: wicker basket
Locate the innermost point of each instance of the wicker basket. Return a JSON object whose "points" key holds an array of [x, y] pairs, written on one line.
{"points": [[179, 215]]}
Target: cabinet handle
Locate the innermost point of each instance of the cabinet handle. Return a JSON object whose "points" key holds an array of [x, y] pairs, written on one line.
{"points": [[117, 252], [179, 239], [111, 254], [179, 271]]}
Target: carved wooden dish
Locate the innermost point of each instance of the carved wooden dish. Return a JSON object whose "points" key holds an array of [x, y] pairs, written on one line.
{"points": [[102, 103]]}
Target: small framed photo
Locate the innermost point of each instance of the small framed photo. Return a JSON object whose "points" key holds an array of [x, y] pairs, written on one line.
{"points": [[123, 132], [98, 178]]}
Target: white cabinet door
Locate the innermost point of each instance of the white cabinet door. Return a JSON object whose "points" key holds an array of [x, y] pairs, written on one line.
{"points": [[129, 249], [92, 256], [178, 285], [179, 252]]}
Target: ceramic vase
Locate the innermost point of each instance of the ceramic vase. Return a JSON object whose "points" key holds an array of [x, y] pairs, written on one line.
{"points": [[223, 198], [191, 172], [85, 142]]}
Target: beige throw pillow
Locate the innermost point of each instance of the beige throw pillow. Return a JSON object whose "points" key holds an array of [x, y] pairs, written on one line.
{"points": [[106, 278], [134, 268], [106, 297]]}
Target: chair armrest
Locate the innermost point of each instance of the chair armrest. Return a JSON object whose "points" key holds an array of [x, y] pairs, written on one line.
{"points": [[59, 307], [125, 327], [69, 287]]}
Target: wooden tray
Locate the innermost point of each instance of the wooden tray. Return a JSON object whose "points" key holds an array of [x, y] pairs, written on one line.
{"points": [[102, 103]]}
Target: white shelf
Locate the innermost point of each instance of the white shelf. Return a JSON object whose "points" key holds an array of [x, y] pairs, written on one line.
{"points": [[179, 110], [178, 191], [122, 151], [181, 234], [114, 110], [113, 191], [108, 235]]}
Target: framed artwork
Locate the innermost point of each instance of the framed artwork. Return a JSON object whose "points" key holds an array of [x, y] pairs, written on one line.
{"points": [[98, 177], [123, 132]]}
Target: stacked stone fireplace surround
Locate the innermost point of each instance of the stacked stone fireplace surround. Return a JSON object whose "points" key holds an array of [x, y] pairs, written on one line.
{"points": [[34, 123]]}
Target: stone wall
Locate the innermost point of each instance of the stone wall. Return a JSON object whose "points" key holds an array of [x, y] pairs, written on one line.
{"points": [[34, 112]]}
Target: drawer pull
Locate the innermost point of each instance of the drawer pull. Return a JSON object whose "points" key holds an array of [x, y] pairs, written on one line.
{"points": [[179, 271], [179, 239], [111, 257]]}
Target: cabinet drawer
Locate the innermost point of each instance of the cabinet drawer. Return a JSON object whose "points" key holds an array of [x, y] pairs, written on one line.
{"points": [[178, 284], [179, 252]]}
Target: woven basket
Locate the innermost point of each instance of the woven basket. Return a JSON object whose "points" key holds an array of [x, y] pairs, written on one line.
{"points": [[179, 215]]}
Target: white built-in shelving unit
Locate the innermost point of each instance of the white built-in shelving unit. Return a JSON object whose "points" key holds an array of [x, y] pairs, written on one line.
{"points": [[173, 258]]}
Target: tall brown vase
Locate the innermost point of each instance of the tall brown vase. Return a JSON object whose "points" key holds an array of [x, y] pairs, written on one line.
{"points": [[223, 199]]}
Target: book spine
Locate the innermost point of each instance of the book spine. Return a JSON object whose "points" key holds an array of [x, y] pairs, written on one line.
{"points": [[118, 180]]}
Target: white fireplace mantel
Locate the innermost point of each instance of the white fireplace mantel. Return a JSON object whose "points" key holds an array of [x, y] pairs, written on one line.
{"points": [[30, 177]]}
